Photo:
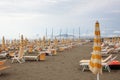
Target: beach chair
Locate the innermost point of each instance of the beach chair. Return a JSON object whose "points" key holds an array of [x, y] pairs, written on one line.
{"points": [[110, 50], [48, 51], [3, 66], [61, 49], [19, 57], [3, 54], [54, 51], [51, 52], [40, 56], [104, 64], [104, 60], [117, 50], [2, 62]]}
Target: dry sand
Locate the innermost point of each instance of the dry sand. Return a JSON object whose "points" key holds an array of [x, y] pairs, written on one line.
{"points": [[63, 66]]}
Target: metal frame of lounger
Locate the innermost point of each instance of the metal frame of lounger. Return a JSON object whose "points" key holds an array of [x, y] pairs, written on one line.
{"points": [[18, 57], [20, 60]]}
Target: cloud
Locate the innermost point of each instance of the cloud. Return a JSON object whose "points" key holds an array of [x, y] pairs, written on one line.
{"points": [[31, 6], [116, 11], [83, 7], [20, 15], [67, 7], [116, 32]]}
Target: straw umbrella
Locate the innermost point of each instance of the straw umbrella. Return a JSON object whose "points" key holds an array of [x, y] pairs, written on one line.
{"points": [[95, 62], [52, 35], [49, 41], [21, 46], [55, 42], [3, 43], [43, 43], [26, 41], [119, 39], [46, 33], [60, 33], [63, 41], [79, 32], [22, 41]]}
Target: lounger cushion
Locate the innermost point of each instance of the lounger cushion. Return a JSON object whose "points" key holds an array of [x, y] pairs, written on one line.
{"points": [[114, 65]]}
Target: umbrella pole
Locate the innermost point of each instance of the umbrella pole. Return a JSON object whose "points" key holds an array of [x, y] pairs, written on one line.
{"points": [[98, 78]]}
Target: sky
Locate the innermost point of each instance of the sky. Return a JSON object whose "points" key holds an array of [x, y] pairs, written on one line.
{"points": [[33, 18]]}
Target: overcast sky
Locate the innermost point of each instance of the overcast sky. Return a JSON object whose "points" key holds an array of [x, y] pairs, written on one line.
{"points": [[32, 17]]}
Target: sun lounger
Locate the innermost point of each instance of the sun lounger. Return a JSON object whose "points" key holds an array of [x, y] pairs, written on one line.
{"points": [[108, 51], [106, 59], [115, 65], [51, 52], [2, 62], [3, 55], [40, 56], [19, 57], [61, 49], [3, 66], [104, 64]]}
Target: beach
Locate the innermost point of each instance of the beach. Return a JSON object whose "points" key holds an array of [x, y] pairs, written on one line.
{"points": [[59, 39], [63, 66]]}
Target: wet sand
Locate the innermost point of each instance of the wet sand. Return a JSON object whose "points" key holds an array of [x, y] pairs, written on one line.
{"points": [[63, 66]]}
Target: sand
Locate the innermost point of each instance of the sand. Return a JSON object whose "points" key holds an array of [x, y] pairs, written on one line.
{"points": [[63, 66]]}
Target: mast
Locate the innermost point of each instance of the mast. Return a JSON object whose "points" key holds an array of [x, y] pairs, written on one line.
{"points": [[73, 34], [46, 33], [60, 33], [66, 33], [52, 34], [79, 32]]}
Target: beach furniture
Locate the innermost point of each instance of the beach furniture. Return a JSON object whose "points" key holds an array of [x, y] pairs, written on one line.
{"points": [[2, 62], [104, 64], [54, 52], [110, 50], [3, 54], [30, 50], [50, 51], [3, 43], [19, 57], [115, 65], [116, 50], [104, 60], [40, 56], [10, 54], [3, 66], [61, 49]]}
